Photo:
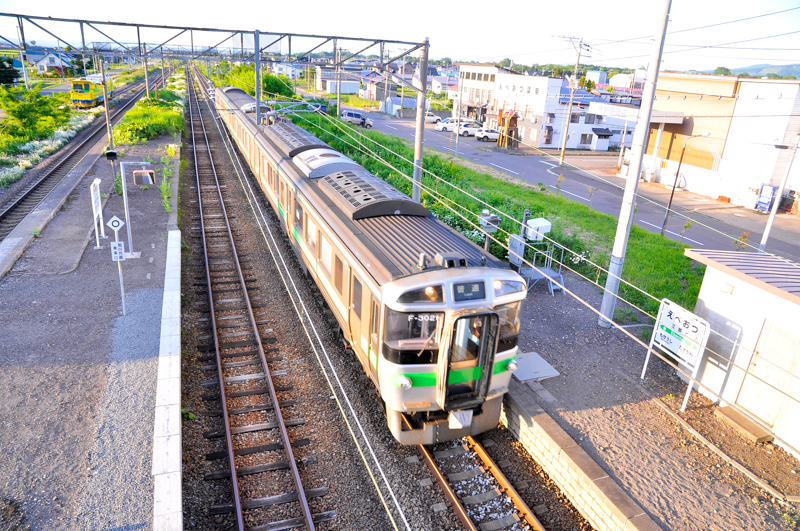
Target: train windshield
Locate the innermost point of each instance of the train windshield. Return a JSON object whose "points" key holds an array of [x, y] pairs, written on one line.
{"points": [[509, 325], [412, 337]]}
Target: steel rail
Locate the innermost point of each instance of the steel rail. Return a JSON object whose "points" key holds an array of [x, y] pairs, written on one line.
{"points": [[505, 485], [229, 438], [66, 156], [287, 445]]}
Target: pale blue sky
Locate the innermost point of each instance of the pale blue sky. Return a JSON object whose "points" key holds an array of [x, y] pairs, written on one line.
{"points": [[528, 33]]}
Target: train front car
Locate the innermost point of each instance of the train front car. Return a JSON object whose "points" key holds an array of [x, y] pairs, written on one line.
{"points": [[432, 317], [88, 91], [449, 347]]}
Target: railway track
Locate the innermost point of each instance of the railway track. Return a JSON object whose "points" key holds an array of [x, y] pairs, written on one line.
{"points": [[14, 211], [255, 451], [477, 491]]}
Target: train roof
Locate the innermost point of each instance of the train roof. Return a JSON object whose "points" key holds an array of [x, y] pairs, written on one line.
{"points": [[373, 211]]}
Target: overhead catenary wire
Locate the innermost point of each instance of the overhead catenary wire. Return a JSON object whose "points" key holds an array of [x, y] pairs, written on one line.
{"points": [[315, 341], [470, 220]]}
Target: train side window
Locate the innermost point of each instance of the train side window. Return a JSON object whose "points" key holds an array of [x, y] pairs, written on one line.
{"points": [[298, 217], [311, 235], [282, 197], [325, 251], [357, 297], [275, 179], [338, 273]]}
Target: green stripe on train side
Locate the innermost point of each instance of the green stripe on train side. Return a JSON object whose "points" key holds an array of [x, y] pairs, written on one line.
{"points": [[422, 379], [464, 375], [502, 366]]}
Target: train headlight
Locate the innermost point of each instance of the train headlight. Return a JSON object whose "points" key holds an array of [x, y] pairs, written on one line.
{"points": [[512, 366], [404, 382]]}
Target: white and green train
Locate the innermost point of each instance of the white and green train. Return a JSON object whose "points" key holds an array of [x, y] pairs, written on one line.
{"points": [[433, 319]]}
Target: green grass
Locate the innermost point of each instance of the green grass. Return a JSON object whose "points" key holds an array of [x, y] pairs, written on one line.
{"points": [[653, 263], [149, 118], [132, 76]]}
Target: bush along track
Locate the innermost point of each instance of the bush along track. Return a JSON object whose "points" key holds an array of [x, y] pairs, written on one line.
{"points": [[34, 127], [653, 263]]}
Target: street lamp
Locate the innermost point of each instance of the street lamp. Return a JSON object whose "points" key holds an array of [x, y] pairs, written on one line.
{"points": [[677, 174]]}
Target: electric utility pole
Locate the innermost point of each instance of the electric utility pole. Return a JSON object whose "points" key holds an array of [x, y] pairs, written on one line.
{"points": [[637, 149], [572, 86]]}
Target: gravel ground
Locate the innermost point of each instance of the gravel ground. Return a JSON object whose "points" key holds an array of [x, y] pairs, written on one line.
{"points": [[598, 400], [121, 496], [74, 456], [358, 503]]}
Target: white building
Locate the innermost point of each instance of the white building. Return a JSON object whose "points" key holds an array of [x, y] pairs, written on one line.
{"points": [[290, 70], [541, 103]]}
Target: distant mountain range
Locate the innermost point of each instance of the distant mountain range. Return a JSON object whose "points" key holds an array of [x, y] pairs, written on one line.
{"points": [[763, 70]]}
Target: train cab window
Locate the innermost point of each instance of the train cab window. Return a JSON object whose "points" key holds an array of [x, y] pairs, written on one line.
{"points": [[325, 251], [357, 297], [509, 326], [311, 235], [412, 337], [298, 218], [338, 274]]}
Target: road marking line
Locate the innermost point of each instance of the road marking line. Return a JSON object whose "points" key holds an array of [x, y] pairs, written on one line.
{"points": [[570, 193], [675, 233], [502, 168], [390, 127], [548, 163]]}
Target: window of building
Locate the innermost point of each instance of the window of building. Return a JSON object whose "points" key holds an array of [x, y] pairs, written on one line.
{"points": [[586, 139], [480, 77], [325, 251], [548, 135], [474, 76], [550, 117], [492, 80], [575, 119], [536, 91], [338, 273], [357, 297]]}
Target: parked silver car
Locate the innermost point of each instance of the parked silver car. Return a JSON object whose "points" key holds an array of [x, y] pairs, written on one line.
{"points": [[431, 118], [448, 124], [357, 118]]}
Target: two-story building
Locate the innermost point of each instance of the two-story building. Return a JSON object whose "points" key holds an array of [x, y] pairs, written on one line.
{"points": [[751, 127], [541, 104]]}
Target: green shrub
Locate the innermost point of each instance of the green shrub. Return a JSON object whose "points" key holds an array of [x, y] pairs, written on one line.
{"points": [[147, 119]]}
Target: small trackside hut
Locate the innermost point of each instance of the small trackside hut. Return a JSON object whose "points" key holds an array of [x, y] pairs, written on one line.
{"points": [[433, 319]]}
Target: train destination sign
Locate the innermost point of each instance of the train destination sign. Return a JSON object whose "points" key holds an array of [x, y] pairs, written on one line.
{"points": [[469, 291], [683, 335]]}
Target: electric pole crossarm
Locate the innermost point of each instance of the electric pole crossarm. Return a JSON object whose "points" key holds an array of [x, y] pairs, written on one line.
{"points": [[109, 38]]}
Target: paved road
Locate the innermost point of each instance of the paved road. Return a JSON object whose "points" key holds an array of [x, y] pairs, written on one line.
{"points": [[715, 224]]}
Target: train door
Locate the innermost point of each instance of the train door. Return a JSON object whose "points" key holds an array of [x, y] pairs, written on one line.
{"points": [[464, 372], [358, 339], [374, 336]]}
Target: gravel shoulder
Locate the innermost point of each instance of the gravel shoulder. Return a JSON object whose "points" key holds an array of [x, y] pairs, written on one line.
{"points": [[78, 377], [598, 400]]}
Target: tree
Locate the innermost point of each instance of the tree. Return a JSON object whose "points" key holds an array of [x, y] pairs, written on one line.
{"points": [[505, 63], [8, 74], [590, 85], [446, 61], [745, 74], [722, 71], [31, 114]]}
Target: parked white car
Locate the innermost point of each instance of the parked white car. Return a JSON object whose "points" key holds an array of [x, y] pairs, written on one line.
{"points": [[431, 118], [469, 128], [487, 135], [448, 124]]}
